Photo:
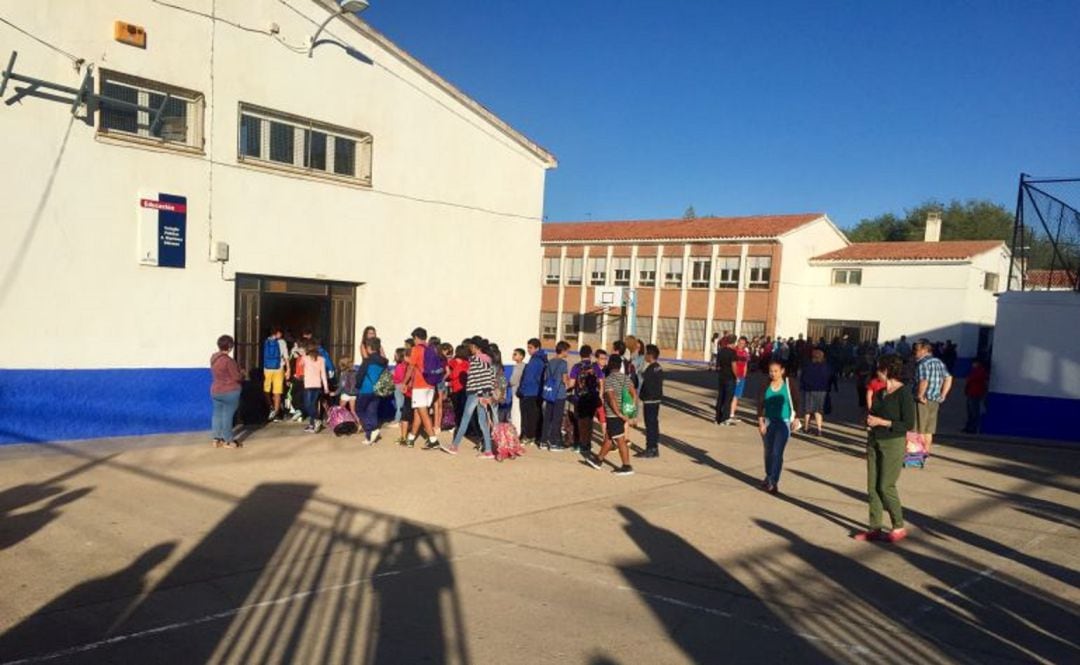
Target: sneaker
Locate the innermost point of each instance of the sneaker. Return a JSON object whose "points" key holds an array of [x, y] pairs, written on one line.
{"points": [[624, 470], [297, 417], [486, 455], [375, 436], [318, 426], [402, 442], [594, 462], [310, 428], [410, 441], [431, 444], [557, 448], [449, 449], [895, 536], [867, 536], [576, 448]]}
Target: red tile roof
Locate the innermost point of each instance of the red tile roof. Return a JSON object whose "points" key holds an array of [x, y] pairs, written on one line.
{"points": [[946, 250], [1045, 279], [701, 228]]}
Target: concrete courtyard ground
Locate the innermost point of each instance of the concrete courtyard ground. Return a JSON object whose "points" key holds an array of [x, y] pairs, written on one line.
{"points": [[313, 549]]}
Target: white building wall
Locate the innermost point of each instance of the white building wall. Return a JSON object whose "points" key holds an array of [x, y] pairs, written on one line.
{"points": [[798, 281], [445, 183]]}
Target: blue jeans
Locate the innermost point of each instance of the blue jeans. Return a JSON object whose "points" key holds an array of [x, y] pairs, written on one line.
{"points": [[776, 437], [225, 405], [553, 419], [652, 425], [399, 401], [311, 404], [473, 406], [368, 408]]}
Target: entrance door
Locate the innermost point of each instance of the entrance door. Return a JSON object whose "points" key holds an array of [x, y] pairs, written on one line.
{"points": [[327, 309], [830, 329]]}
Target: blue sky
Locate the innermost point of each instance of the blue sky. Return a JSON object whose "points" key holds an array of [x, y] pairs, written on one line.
{"points": [[852, 108]]}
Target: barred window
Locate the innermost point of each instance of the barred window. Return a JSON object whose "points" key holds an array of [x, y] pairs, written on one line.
{"points": [[752, 329], [723, 327], [306, 146], [693, 335], [643, 327], [667, 332], [181, 121], [727, 271], [549, 325], [571, 326]]}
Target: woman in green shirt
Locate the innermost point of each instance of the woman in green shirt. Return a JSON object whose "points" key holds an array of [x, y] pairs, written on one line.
{"points": [[891, 417], [778, 408]]}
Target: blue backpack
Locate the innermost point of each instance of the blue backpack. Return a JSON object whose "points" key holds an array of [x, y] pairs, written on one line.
{"points": [[552, 384], [271, 354], [434, 366]]}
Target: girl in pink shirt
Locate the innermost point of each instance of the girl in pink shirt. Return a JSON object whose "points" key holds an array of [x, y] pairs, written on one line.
{"points": [[315, 384]]}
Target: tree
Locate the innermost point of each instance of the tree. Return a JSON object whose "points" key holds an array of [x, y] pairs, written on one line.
{"points": [[690, 213], [968, 220]]}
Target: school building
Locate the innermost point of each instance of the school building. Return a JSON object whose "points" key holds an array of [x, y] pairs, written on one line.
{"points": [[176, 171], [676, 282]]}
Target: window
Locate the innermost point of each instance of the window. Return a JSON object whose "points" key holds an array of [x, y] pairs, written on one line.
{"points": [[700, 272], [643, 327], [727, 271], [549, 326], [551, 270], [760, 269], [673, 272], [843, 276], [620, 267], [180, 123], [667, 332], [723, 326], [302, 145], [647, 271], [990, 282], [573, 272], [571, 323], [694, 335], [752, 329], [598, 272]]}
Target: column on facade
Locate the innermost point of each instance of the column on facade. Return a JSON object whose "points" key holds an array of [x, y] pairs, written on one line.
{"points": [[605, 322], [559, 327], [656, 293], [710, 311], [740, 301], [631, 317], [583, 299], [682, 303]]}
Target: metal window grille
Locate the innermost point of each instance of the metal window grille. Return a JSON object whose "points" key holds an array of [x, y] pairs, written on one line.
{"points": [[180, 122], [549, 325], [571, 326], [752, 329], [667, 332], [643, 327], [693, 335], [573, 271], [722, 326], [278, 139], [727, 271], [646, 272], [700, 273]]}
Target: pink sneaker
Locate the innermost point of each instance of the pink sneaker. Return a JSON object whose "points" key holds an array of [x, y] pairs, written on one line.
{"points": [[867, 536], [486, 456], [896, 535]]}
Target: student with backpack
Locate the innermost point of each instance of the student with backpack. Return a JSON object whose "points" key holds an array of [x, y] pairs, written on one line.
{"points": [[479, 388], [620, 400], [275, 368], [587, 379], [347, 384], [371, 370], [652, 393], [316, 383], [556, 383], [425, 370], [529, 392]]}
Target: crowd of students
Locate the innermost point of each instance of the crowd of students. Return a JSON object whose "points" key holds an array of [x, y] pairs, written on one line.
{"points": [[537, 398]]}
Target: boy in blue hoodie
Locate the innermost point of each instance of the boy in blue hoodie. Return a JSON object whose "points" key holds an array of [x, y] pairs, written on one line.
{"points": [[532, 382]]}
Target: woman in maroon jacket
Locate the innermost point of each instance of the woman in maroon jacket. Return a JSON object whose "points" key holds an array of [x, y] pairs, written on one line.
{"points": [[225, 393]]}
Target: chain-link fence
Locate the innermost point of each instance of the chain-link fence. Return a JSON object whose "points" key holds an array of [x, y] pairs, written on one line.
{"points": [[1046, 238]]}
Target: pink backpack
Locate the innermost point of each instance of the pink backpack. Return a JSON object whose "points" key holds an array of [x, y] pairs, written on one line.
{"points": [[506, 441], [341, 421]]}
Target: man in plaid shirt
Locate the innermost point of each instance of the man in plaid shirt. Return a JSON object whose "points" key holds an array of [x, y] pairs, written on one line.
{"points": [[932, 385]]}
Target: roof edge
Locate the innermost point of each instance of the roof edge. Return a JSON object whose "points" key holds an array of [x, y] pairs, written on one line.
{"points": [[419, 67]]}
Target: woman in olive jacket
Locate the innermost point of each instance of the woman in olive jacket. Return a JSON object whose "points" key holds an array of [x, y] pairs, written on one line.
{"points": [[891, 417]]}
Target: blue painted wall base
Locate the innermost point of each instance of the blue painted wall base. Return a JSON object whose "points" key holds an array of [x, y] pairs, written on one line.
{"points": [[61, 404], [1049, 418]]}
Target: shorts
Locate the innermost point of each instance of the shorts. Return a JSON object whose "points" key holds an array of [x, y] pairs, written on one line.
{"points": [[346, 398], [406, 409], [422, 398], [814, 401], [442, 388], [926, 417], [274, 380], [616, 428], [740, 387]]}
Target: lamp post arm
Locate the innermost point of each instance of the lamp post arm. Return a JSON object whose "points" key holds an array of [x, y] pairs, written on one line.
{"points": [[315, 37]]}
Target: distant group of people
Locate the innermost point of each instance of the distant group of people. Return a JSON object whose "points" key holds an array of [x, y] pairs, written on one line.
{"points": [[539, 399], [900, 388]]}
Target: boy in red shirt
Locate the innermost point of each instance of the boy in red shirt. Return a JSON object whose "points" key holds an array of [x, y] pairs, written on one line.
{"points": [[978, 384]]}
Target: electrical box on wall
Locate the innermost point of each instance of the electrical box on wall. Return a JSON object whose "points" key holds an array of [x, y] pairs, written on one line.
{"points": [[130, 34], [221, 251]]}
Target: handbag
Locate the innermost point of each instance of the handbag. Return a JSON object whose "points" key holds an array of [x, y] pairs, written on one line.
{"points": [[628, 406], [795, 423]]}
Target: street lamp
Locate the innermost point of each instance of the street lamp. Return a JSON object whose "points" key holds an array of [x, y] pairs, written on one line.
{"points": [[344, 7]]}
